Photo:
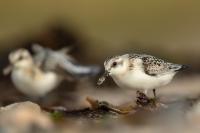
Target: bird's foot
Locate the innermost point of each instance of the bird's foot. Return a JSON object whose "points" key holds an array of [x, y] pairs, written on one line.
{"points": [[143, 101]]}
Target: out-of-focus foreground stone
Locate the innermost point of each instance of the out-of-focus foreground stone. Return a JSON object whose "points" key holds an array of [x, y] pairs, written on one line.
{"points": [[24, 117]]}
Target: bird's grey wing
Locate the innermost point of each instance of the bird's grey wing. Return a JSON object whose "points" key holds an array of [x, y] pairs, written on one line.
{"points": [[62, 63], [40, 55], [48, 59], [154, 66], [78, 70]]}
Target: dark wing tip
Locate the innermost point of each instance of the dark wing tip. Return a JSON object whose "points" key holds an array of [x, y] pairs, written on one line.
{"points": [[183, 67]]}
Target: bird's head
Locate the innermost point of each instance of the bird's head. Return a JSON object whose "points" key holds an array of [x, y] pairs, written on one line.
{"points": [[20, 58], [116, 65]]}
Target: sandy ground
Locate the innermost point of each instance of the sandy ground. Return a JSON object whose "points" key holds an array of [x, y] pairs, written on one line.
{"points": [[181, 115]]}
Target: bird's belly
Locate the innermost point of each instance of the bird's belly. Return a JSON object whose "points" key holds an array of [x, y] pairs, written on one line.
{"points": [[142, 81], [31, 86]]}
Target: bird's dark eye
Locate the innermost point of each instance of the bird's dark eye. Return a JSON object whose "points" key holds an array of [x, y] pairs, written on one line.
{"points": [[20, 57], [114, 64]]}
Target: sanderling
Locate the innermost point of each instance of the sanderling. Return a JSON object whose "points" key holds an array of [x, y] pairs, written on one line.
{"points": [[28, 77], [63, 63], [37, 75], [140, 71]]}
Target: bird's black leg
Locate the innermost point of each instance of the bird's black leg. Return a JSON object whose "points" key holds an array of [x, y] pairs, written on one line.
{"points": [[154, 93]]}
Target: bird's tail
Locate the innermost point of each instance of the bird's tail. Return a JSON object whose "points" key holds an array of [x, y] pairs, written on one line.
{"points": [[183, 67], [177, 67]]}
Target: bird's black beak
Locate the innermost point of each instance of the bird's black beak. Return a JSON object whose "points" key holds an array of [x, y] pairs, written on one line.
{"points": [[106, 73], [103, 77]]}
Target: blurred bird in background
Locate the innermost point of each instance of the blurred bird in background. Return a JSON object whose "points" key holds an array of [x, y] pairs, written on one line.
{"points": [[63, 63], [39, 74]]}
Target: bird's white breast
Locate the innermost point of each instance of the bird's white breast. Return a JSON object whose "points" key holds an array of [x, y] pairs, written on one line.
{"points": [[137, 79], [35, 86]]}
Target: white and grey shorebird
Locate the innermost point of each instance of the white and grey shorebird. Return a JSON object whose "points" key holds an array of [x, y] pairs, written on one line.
{"points": [[62, 63], [38, 75], [140, 72], [28, 77]]}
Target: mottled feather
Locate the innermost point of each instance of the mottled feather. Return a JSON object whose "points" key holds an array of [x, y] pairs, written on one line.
{"points": [[154, 66]]}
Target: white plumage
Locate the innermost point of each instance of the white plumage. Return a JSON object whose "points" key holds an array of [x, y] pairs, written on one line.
{"points": [[140, 71], [28, 77], [36, 76]]}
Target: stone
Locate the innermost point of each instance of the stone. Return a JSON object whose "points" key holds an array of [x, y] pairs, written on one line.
{"points": [[24, 117]]}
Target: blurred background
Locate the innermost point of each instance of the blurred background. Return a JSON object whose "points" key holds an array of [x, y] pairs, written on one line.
{"points": [[169, 29], [102, 28]]}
